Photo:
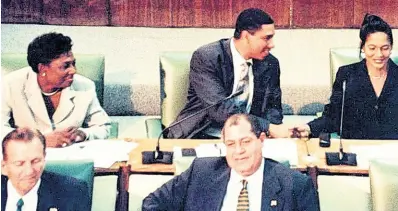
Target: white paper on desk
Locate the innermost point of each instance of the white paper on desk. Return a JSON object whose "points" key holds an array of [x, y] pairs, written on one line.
{"points": [[281, 149], [104, 152], [210, 150], [366, 153]]}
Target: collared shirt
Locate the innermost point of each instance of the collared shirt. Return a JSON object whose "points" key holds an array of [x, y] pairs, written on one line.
{"points": [[254, 188], [30, 199], [237, 61]]}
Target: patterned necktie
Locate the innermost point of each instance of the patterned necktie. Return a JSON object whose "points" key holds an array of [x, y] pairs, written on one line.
{"points": [[19, 205], [243, 199], [243, 84]]}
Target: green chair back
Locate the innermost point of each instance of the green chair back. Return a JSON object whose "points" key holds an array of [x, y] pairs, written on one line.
{"points": [[79, 169], [174, 70], [383, 176], [344, 56], [89, 65]]}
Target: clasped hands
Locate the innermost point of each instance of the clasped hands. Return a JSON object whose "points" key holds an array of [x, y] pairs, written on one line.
{"points": [[284, 131], [64, 137]]}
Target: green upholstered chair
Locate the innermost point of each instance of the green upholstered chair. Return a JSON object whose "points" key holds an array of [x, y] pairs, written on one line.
{"points": [[174, 73], [89, 65], [344, 56], [383, 176], [79, 169]]}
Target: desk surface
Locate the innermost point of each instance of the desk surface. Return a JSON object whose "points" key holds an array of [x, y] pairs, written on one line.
{"points": [[320, 159], [317, 154], [168, 144]]}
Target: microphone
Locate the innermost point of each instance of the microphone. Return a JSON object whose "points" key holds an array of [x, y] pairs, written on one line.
{"points": [[341, 157], [165, 157]]}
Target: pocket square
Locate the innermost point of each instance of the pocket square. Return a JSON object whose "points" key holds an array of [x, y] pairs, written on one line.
{"points": [[53, 209]]}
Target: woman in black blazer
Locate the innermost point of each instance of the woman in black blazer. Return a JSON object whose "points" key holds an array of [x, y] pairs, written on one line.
{"points": [[370, 88]]}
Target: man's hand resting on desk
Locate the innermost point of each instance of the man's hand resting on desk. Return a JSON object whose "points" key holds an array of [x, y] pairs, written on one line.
{"points": [[64, 137], [278, 131]]}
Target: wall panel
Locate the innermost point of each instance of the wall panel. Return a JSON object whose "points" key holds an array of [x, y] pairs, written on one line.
{"points": [[75, 12], [323, 14], [21, 11]]}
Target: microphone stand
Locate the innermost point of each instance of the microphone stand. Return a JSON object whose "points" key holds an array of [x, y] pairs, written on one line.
{"points": [[341, 157], [166, 157]]}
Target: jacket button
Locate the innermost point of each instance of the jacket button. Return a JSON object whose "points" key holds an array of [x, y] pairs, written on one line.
{"points": [[376, 107]]}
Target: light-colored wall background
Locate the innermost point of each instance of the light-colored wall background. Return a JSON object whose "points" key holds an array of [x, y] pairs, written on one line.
{"points": [[131, 55]]}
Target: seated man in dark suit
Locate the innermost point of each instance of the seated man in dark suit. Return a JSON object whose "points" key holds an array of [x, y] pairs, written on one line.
{"points": [[241, 63], [243, 179], [26, 186]]}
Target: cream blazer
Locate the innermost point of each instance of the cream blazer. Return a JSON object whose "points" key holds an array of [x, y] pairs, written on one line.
{"points": [[79, 106]]}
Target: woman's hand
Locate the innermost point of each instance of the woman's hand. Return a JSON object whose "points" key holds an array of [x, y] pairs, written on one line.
{"points": [[64, 137]]}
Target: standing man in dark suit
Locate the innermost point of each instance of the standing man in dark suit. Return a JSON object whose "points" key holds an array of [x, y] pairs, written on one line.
{"points": [[227, 66], [243, 179], [25, 186]]}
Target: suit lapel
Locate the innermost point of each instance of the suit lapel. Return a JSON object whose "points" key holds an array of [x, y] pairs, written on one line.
{"points": [[391, 81], [271, 199], [45, 197], [33, 93], [217, 187], [227, 64], [66, 105], [4, 192]]}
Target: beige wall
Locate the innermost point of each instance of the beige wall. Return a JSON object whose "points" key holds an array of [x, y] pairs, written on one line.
{"points": [[132, 53]]}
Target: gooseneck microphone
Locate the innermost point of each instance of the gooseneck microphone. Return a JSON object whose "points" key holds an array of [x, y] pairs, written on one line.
{"points": [[157, 156], [341, 157]]}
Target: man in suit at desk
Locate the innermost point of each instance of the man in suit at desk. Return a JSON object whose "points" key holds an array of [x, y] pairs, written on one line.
{"points": [[242, 180], [241, 63], [26, 186]]}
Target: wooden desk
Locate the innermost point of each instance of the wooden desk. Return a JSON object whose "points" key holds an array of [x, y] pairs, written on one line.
{"points": [[320, 159], [168, 144]]}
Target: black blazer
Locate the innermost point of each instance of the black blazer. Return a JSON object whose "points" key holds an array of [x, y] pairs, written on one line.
{"points": [[204, 185], [211, 79], [366, 116], [56, 191]]}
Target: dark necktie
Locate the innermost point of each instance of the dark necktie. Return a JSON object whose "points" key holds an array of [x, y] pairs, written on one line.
{"points": [[243, 199], [19, 205]]}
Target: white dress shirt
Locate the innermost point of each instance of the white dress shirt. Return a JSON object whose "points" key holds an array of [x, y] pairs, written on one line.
{"points": [[30, 199], [254, 188]]}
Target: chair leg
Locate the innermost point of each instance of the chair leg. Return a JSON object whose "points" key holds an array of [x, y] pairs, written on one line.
{"points": [[313, 173], [122, 199]]}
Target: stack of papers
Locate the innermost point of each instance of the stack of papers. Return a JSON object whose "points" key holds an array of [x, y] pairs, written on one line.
{"points": [[104, 153], [365, 154]]}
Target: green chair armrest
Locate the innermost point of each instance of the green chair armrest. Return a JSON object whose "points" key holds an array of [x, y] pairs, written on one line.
{"points": [[153, 128]]}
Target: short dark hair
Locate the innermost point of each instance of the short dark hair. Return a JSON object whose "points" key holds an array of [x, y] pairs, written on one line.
{"points": [[251, 20], [237, 119], [372, 24], [47, 47], [22, 135]]}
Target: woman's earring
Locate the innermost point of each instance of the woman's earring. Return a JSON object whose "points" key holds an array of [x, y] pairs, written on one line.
{"points": [[44, 74]]}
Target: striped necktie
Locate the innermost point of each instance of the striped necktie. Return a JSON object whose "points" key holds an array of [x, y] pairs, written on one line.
{"points": [[243, 84], [19, 205], [243, 199]]}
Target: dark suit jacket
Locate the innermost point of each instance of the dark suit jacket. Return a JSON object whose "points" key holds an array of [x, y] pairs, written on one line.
{"points": [[211, 79], [204, 185], [56, 191], [366, 116]]}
